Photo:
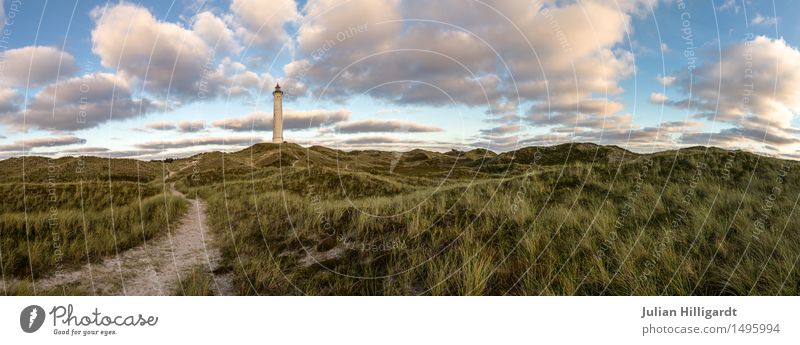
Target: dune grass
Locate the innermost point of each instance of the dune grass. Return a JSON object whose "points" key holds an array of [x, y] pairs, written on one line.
{"points": [[25, 288], [89, 195], [196, 282], [40, 243], [564, 220], [679, 223]]}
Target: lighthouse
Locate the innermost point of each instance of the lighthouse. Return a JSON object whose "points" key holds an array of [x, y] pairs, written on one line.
{"points": [[277, 115]]}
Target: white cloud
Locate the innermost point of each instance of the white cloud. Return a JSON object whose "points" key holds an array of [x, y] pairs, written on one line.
{"points": [[181, 126], [666, 80], [34, 66], [200, 141], [378, 140], [191, 126], [758, 91], [78, 103], [730, 5], [292, 119], [447, 53], [187, 63], [84, 151], [161, 126], [28, 144], [231, 78], [762, 20], [10, 100], [658, 97], [501, 130], [215, 33], [260, 23], [166, 56], [384, 126]]}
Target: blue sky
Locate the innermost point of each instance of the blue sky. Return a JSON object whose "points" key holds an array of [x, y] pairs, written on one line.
{"points": [[161, 78]]}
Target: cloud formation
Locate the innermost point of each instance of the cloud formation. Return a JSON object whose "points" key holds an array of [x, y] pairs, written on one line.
{"points": [[666, 80], [658, 97], [34, 66], [292, 119], [160, 126], [181, 126], [542, 71], [10, 100], [384, 126], [201, 141], [450, 53], [260, 23], [753, 85], [215, 33], [165, 56], [377, 140], [79, 103], [191, 126], [763, 20], [188, 64], [28, 144]]}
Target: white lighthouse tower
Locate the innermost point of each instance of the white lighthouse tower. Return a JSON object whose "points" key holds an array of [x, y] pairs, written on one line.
{"points": [[277, 115]]}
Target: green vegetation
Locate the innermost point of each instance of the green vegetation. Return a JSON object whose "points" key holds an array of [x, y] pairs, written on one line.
{"points": [[25, 288], [61, 217], [90, 196], [41, 242], [197, 282], [570, 219], [74, 169]]}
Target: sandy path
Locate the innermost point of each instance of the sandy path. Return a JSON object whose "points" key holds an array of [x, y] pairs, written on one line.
{"points": [[153, 268]]}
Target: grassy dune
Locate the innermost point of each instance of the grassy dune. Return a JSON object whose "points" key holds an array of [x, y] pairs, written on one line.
{"points": [[75, 169], [93, 196], [70, 210], [39, 243], [198, 282], [562, 220], [581, 219]]}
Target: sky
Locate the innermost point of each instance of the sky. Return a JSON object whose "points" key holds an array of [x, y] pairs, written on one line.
{"points": [[156, 79]]}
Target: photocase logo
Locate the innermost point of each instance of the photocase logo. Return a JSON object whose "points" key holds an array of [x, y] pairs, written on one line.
{"points": [[31, 318]]}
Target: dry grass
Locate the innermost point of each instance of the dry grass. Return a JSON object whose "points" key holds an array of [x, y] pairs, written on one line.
{"points": [[686, 223], [564, 220], [197, 282], [39, 243]]}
